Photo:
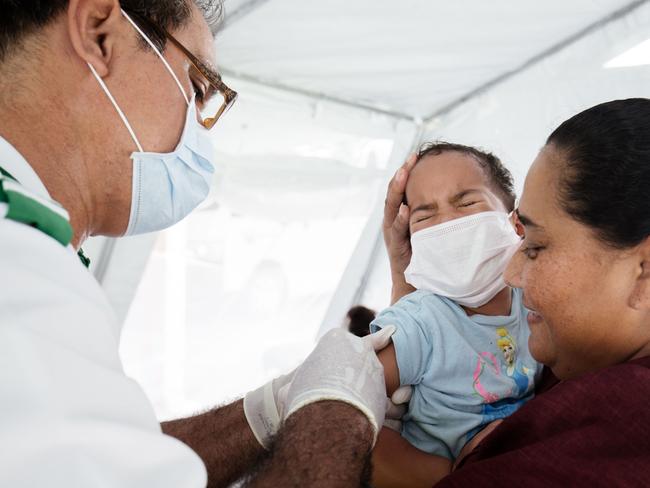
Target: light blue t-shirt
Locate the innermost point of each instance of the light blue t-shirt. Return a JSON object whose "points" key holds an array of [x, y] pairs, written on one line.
{"points": [[466, 371]]}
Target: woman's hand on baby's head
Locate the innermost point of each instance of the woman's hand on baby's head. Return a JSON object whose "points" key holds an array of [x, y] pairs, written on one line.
{"points": [[395, 225], [396, 228]]}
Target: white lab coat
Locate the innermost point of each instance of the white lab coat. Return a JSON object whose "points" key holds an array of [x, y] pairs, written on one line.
{"points": [[70, 417]]}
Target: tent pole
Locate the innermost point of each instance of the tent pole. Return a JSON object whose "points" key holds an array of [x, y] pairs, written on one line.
{"points": [[354, 279], [315, 96]]}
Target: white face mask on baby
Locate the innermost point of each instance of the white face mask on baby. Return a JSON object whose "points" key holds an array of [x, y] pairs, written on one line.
{"points": [[167, 186], [463, 259]]}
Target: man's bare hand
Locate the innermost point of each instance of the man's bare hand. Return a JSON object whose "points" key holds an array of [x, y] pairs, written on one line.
{"points": [[325, 444], [396, 229]]}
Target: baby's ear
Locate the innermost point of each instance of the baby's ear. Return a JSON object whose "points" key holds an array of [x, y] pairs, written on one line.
{"points": [[516, 224]]}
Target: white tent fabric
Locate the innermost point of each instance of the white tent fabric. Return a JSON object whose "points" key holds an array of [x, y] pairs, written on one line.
{"points": [[411, 57], [333, 96]]}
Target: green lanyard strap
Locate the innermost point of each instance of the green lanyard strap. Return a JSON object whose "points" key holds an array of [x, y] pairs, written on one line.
{"points": [[30, 209]]}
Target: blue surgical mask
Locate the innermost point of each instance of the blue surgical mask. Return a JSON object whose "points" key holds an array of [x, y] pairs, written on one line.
{"points": [[167, 186]]}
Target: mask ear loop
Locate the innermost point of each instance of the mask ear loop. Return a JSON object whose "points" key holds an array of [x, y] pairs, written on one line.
{"points": [[155, 49], [117, 107]]}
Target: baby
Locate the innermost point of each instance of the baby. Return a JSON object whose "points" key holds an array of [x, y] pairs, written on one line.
{"points": [[462, 337]]}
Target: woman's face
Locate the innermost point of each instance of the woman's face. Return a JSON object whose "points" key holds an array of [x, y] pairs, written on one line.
{"points": [[582, 293]]}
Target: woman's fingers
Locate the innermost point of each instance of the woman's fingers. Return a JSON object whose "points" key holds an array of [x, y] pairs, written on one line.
{"points": [[410, 162], [395, 193], [400, 227], [394, 198]]}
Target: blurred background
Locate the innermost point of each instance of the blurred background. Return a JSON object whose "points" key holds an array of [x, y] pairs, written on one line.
{"points": [[333, 97]]}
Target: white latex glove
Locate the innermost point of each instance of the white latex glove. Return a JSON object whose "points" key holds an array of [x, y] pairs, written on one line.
{"points": [[343, 368], [397, 407], [264, 408], [397, 404]]}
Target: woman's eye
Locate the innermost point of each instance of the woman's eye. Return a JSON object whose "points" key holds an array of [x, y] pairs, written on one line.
{"points": [[468, 204], [531, 252], [422, 219]]}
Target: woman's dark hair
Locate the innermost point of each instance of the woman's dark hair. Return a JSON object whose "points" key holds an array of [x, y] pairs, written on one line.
{"points": [[18, 18], [605, 174], [498, 175]]}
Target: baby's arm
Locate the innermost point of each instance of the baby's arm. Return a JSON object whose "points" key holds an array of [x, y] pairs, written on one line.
{"points": [[388, 360], [397, 463]]}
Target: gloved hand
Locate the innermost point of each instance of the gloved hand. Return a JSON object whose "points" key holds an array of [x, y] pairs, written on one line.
{"points": [[343, 368], [264, 408], [397, 407], [397, 404]]}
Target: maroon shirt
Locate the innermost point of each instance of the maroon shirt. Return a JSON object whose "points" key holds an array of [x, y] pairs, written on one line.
{"points": [[589, 431]]}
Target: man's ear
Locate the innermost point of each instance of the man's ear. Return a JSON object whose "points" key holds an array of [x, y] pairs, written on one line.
{"points": [[93, 27], [640, 298]]}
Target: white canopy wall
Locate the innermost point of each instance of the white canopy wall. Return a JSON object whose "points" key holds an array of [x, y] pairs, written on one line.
{"points": [[333, 96]]}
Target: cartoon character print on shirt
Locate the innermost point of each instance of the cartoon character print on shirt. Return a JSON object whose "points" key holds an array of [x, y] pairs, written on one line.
{"points": [[489, 361], [521, 375], [499, 406]]}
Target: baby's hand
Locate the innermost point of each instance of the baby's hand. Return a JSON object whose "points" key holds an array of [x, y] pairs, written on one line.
{"points": [[476, 440]]}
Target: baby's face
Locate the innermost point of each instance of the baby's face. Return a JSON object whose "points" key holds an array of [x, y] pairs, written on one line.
{"points": [[446, 187]]}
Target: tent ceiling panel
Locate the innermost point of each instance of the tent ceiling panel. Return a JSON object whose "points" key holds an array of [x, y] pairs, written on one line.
{"points": [[413, 57]]}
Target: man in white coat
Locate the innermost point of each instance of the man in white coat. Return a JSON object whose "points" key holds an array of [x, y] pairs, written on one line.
{"points": [[105, 108]]}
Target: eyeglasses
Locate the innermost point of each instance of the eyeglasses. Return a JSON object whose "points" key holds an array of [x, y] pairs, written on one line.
{"points": [[214, 98]]}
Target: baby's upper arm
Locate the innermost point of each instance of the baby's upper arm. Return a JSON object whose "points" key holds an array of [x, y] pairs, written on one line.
{"points": [[388, 360], [409, 355]]}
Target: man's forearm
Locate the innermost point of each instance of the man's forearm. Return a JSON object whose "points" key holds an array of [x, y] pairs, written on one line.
{"points": [[223, 439], [325, 444], [400, 288]]}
